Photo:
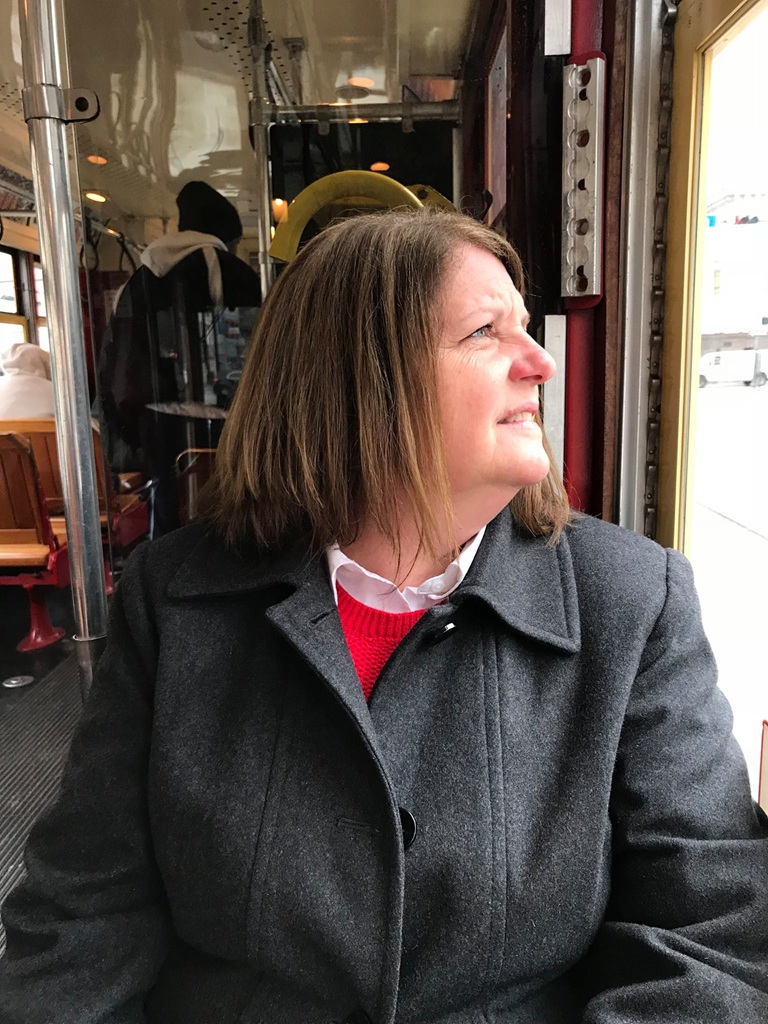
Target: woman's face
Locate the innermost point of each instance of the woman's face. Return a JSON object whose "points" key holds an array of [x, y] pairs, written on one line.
{"points": [[489, 371]]}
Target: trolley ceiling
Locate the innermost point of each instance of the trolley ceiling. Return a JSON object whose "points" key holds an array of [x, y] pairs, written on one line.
{"points": [[174, 80]]}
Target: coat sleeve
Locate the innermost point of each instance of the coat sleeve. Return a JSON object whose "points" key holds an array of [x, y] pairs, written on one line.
{"points": [[88, 927], [685, 937]]}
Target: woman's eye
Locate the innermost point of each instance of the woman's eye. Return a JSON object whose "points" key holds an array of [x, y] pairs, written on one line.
{"points": [[481, 332]]}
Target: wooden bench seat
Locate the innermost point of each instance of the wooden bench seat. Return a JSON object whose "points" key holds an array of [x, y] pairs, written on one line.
{"points": [[30, 555], [124, 516], [24, 555]]}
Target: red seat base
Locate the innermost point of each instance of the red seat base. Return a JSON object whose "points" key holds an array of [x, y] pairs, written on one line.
{"points": [[42, 633]]}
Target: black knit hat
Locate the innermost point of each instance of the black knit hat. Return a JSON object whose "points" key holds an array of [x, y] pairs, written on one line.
{"points": [[202, 208]]}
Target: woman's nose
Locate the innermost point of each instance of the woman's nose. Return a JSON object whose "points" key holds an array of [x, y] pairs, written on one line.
{"points": [[532, 363]]}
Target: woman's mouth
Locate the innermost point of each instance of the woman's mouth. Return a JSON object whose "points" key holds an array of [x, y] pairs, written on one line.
{"points": [[518, 417]]}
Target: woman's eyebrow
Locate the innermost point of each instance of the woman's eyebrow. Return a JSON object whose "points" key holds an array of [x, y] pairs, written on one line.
{"points": [[481, 313], [492, 311]]}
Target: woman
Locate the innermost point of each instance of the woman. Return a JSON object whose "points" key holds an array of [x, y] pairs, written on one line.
{"points": [[389, 738]]}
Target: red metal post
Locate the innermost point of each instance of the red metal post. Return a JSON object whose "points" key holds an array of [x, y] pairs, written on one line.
{"points": [[581, 370]]}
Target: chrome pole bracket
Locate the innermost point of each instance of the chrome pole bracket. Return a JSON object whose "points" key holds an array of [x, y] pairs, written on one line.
{"points": [[51, 102], [583, 144]]}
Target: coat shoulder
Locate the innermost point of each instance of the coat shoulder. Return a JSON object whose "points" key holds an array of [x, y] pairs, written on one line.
{"points": [[619, 564], [156, 562]]}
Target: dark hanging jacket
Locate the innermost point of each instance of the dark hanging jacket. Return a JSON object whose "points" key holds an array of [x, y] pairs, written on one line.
{"points": [[138, 363]]}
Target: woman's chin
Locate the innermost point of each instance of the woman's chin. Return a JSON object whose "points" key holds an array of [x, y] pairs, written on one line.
{"points": [[530, 471]]}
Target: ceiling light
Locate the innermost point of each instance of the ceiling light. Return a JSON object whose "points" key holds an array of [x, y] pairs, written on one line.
{"points": [[279, 209], [96, 197], [379, 166], [351, 93], [94, 158], [358, 120], [361, 83]]}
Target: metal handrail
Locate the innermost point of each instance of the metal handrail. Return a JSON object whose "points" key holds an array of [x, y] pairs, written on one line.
{"points": [[46, 101]]}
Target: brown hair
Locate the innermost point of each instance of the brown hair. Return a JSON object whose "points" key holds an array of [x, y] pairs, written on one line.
{"points": [[335, 419]]}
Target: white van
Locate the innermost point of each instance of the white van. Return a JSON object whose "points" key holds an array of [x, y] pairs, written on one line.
{"points": [[743, 366]]}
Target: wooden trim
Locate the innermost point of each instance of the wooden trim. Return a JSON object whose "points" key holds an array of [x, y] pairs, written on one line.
{"points": [[486, 33], [13, 318], [21, 236], [701, 23], [487, 28]]}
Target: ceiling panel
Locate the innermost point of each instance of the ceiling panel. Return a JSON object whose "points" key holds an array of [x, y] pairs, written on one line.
{"points": [[174, 79]]}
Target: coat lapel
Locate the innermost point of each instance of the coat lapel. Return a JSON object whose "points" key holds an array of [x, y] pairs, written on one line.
{"points": [[309, 621], [303, 612], [529, 585]]}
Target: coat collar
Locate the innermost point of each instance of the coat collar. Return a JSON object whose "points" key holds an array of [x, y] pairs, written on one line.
{"points": [[212, 569], [529, 585]]}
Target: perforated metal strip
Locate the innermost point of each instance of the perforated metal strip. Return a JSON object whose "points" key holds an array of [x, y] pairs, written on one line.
{"points": [[651, 491]]}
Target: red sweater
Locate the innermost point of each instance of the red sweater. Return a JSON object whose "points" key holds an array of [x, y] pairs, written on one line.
{"points": [[372, 635]]}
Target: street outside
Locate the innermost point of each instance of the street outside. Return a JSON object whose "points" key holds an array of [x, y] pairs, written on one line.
{"points": [[730, 549]]}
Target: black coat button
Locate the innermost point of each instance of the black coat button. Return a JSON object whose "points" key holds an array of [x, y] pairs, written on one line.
{"points": [[441, 633], [409, 827], [357, 1017]]}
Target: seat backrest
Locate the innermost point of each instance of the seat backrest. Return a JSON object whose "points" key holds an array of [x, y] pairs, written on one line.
{"points": [[23, 514], [193, 470], [41, 434]]}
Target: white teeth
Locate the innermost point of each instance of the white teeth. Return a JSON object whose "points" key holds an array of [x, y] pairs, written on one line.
{"points": [[519, 417]]}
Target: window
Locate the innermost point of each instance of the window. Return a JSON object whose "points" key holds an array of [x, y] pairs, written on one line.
{"points": [[13, 323], [712, 482], [39, 291], [40, 314], [22, 300], [8, 301]]}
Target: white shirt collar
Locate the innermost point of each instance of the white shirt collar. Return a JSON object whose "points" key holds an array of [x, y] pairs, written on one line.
{"points": [[376, 592]]}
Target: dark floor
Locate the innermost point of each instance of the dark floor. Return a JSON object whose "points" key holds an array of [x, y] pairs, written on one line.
{"points": [[36, 723], [36, 726], [14, 625]]}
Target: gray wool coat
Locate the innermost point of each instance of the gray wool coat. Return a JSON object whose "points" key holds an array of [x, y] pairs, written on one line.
{"points": [[227, 846]]}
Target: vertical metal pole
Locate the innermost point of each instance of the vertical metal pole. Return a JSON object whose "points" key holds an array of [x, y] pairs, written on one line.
{"points": [[457, 166], [40, 27], [183, 348], [260, 122], [641, 123], [553, 392]]}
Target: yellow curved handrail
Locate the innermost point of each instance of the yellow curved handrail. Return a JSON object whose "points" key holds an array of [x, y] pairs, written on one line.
{"points": [[431, 197], [349, 186]]}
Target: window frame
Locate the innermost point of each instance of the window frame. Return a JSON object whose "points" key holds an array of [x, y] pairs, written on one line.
{"points": [[18, 318], [25, 291], [699, 28]]}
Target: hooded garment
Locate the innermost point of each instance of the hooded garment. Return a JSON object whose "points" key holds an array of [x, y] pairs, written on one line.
{"points": [[26, 391], [162, 255], [202, 208]]}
